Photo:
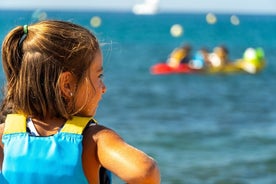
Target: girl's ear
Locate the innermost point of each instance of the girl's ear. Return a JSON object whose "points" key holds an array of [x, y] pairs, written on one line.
{"points": [[67, 84]]}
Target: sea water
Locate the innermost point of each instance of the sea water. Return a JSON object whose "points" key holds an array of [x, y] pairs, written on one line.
{"points": [[211, 129]]}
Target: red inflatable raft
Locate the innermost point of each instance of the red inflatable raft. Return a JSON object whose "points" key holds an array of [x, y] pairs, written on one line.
{"points": [[163, 68]]}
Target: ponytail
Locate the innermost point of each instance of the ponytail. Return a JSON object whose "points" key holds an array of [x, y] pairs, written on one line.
{"points": [[11, 60], [12, 54]]}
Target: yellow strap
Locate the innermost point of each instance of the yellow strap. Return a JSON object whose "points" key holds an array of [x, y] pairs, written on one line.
{"points": [[15, 123], [76, 125]]}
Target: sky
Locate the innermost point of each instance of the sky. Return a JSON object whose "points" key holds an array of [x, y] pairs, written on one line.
{"points": [[219, 6]]}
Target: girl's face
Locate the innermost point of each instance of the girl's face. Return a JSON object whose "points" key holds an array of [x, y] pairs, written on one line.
{"points": [[91, 88]]}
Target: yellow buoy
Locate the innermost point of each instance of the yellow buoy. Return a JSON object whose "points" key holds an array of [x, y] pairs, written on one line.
{"points": [[176, 30], [211, 18], [95, 21], [234, 20]]}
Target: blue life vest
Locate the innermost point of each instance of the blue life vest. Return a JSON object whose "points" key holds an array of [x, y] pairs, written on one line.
{"points": [[38, 160]]}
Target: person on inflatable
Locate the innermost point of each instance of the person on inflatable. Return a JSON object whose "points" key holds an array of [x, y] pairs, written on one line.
{"points": [[253, 60], [179, 56], [219, 57], [54, 85], [200, 59]]}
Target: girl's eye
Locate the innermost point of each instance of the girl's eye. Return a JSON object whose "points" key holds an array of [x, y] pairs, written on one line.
{"points": [[101, 76]]}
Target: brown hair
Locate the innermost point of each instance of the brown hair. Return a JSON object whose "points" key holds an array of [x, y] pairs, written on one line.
{"points": [[33, 62]]}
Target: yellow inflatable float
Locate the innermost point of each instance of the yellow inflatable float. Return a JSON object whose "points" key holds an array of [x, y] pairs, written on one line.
{"points": [[253, 61]]}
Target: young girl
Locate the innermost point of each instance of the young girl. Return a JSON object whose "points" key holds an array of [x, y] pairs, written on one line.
{"points": [[54, 84]]}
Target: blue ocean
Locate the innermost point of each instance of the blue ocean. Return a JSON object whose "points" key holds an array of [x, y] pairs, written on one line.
{"points": [[200, 128]]}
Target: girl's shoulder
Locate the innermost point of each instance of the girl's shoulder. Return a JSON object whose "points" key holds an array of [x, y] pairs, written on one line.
{"points": [[101, 137], [96, 131]]}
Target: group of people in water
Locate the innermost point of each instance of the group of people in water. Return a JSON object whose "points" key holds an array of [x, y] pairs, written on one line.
{"points": [[252, 60], [202, 58]]}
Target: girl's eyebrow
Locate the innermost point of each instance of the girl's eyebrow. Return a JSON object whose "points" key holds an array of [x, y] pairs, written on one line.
{"points": [[100, 69]]}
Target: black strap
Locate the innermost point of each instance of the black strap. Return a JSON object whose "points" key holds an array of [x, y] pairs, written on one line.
{"points": [[105, 176]]}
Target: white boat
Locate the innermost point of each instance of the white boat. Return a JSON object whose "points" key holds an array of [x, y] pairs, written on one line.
{"points": [[148, 7]]}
